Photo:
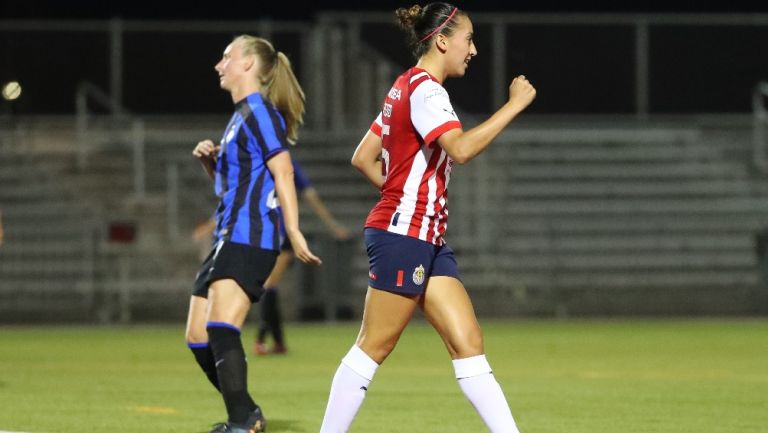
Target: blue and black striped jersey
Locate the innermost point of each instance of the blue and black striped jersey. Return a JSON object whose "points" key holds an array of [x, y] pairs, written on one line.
{"points": [[249, 211]]}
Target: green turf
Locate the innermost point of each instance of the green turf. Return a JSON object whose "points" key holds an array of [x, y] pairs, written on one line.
{"points": [[559, 376]]}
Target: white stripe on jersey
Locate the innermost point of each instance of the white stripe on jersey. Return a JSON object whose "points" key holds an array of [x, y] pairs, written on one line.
{"points": [[407, 204], [417, 76], [431, 197], [442, 218]]}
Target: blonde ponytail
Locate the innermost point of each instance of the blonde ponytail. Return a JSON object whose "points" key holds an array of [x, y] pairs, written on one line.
{"points": [[285, 93], [279, 83]]}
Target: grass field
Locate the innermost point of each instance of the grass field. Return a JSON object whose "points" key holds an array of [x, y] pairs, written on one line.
{"points": [[666, 376]]}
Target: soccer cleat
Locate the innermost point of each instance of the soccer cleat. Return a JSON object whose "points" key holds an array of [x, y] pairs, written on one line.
{"points": [[227, 428], [279, 349], [219, 428], [257, 421], [256, 424], [260, 349]]}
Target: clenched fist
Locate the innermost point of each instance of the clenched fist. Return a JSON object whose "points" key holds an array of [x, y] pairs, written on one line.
{"points": [[521, 92]]}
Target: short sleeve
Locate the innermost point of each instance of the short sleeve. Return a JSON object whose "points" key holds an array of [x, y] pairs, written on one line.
{"points": [[431, 111], [376, 125], [267, 128]]}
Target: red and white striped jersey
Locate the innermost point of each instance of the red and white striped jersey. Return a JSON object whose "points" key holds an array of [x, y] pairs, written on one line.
{"points": [[414, 197]]}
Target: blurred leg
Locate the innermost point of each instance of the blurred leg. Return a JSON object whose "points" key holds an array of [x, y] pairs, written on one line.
{"points": [[270, 320]]}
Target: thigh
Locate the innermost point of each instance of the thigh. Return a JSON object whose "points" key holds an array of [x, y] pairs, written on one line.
{"points": [[198, 312], [385, 317], [448, 308], [228, 302]]}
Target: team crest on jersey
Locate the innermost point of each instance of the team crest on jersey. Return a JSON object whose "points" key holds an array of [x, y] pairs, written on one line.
{"points": [[418, 275]]}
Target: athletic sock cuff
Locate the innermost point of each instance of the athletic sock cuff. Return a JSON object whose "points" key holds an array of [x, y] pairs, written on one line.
{"points": [[360, 362], [222, 325], [198, 345], [470, 367]]}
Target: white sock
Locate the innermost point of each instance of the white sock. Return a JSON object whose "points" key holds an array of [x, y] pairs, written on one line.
{"points": [[481, 389], [348, 390]]}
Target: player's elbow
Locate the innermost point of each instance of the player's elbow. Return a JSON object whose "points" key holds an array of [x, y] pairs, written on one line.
{"points": [[358, 162], [461, 158]]}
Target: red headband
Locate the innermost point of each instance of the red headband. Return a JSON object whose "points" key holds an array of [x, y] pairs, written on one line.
{"points": [[437, 29]]}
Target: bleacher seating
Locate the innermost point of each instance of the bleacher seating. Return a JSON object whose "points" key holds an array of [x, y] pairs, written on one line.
{"points": [[550, 220]]}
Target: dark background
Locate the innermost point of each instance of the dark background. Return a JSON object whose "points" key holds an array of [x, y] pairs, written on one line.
{"points": [[577, 69], [306, 10]]}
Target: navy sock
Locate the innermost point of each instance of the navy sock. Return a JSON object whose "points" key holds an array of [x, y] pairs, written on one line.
{"points": [[204, 357], [270, 315], [232, 370]]}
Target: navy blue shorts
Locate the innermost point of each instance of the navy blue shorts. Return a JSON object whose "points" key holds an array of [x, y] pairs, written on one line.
{"points": [[403, 264]]}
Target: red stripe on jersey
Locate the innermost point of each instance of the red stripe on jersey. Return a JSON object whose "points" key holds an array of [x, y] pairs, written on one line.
{"points": [[437, 221], [399, 278], [376, 128], [423, 196], [442, 129]]}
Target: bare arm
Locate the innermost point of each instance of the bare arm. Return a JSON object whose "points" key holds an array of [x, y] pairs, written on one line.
{"points": [[204, 230], [366, 159], [463, 146], [313, 198], [206, 152], [282, 171]]}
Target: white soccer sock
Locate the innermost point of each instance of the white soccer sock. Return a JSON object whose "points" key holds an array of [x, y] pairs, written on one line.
{"points": [[481, 389], [348, 390]]}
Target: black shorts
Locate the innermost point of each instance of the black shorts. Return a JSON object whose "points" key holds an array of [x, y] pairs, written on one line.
{"points": [[248, 266]]}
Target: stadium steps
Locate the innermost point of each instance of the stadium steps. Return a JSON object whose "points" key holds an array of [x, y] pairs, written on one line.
{"points": [[581, 221], [47, 235], [587, 224]]}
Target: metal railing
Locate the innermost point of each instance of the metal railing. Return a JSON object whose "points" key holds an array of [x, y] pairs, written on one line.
{"points": [[89, 138]]}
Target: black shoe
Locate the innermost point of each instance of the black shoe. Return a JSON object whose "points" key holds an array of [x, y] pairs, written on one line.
{"points": [[219, 428], [226, 428], [257, 421]]}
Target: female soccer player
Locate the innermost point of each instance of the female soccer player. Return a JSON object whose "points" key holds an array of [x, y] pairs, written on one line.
{"points": [[250, 168], [408, 153]]}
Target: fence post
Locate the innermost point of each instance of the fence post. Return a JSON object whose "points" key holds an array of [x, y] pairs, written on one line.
{"points": [[172, 199], [139, 175], [759, 121]]}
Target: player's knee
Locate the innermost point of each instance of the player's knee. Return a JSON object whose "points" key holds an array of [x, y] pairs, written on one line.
{"points": [[195, 337], [469, 343], [378, 351]]}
